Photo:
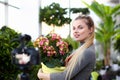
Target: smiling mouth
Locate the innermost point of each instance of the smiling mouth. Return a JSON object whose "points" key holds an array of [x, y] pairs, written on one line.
{"points": [[76, 35]]}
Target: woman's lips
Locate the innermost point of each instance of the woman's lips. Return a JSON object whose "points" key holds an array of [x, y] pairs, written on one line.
{"points": [[76, 35]]}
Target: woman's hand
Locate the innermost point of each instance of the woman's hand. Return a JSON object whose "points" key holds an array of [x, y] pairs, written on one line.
{"points": [[42, 75], [39, 74], [67, 59]]}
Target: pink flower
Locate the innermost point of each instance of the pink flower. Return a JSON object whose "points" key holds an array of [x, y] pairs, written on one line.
{"points": [[52, 47], [41, 43], [55, 36]]}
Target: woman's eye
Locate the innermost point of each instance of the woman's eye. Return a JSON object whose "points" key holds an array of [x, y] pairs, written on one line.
{"points": [[73, 28], [80, 27]]}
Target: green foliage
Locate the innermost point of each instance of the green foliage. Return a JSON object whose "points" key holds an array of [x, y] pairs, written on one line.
{"points": [[99, 65], [33, 72], [8, 71], [117, 43], [102, 10], [73, 43], [106, 29], [54, 15], [78, 10]]}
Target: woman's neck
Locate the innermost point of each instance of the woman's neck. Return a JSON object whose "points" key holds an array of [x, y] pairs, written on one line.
{"points": [[81, 43]]}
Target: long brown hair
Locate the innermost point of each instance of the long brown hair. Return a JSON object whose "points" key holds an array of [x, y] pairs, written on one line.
{"points": [[79, 52]]}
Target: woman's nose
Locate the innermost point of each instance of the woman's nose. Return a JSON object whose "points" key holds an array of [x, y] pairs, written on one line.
{"points": [[75, 30]]}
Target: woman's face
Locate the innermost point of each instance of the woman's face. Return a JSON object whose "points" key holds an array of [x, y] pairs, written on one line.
{"points": [[80, 30]]}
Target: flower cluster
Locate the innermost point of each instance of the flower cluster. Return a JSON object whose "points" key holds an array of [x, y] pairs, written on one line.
{"points": [[53, 49]]}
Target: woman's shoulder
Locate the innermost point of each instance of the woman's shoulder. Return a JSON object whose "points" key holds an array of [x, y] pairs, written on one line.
{"points": [[90, 51], [89, 54]]}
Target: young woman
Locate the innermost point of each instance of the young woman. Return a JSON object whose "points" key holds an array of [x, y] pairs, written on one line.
{"points": [[81, 62]]}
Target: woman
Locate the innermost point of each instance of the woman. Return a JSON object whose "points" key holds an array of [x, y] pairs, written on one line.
{"points": [[80, 63]]}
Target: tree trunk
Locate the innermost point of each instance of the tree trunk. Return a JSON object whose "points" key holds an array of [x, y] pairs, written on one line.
{"points": [[107, 53], [107, 58]]}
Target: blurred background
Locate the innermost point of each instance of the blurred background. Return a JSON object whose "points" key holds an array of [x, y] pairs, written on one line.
{"points": [[40, 17], [21, 15]]}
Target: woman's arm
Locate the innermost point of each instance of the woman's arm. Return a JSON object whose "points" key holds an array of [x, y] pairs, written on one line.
{"points": [[88, 57]]}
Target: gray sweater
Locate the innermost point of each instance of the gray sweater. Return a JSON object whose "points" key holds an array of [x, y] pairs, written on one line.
{"points": [[82, 70]]}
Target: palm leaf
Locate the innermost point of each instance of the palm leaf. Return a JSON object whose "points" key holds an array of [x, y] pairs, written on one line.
{"points": [[107, 10], [99, 36], [109, 24], [115, 9], [96, 8], [118, 13], [117, 31]]}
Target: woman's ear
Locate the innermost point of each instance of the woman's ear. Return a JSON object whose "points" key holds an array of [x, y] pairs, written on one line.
{"points": [[91, 30]]}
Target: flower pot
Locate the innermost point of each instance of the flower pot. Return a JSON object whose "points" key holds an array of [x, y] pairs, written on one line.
{"points": [[46, 69]]}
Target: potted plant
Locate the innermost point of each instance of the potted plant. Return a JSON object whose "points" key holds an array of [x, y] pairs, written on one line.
{"points": [[53, 50]]}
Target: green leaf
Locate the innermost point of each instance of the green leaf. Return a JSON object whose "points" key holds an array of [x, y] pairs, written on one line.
{"points": [[115, 9], [107, 10], [74, 44], [54, 15], [117, 13], [98, 9]]}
